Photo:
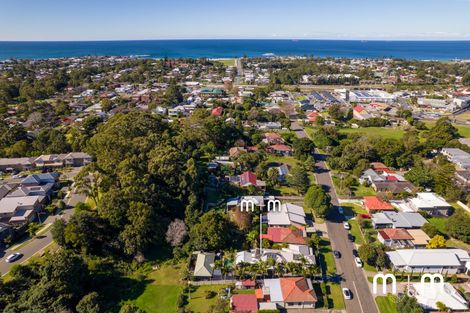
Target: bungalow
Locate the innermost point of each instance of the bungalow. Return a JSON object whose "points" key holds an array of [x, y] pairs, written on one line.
{"points": [[394, 187], [217, 111], [273, 138], [48, 161], [457, 156], [374, 204], [397, 220], [463, 178], [285, 235], [290, 214], [394, 237], [360, 113], [450, 261], [249, 178], [244, 303], [280, 149], [430, 203], [204, 265], [291, 253], [312, 117], [289, 293]]}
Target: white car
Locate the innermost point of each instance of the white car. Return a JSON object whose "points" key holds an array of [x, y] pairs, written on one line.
{"points": [[13, 257], [358, 262], [347, 294], [346, 225]]}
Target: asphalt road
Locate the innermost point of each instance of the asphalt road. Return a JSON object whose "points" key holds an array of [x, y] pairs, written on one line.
{"points": [[352, 277], [42, 241]]}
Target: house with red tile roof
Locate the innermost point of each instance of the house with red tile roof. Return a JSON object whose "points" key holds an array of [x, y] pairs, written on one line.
{"points": [[217, 111], [374, 204], [312, 117], [395, 237], [244, 303], [360, 113], [247, 179], [284, 235], [290, 292]]}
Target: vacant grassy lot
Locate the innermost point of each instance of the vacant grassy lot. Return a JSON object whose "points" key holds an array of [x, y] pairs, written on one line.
{"points": [[198, 302], [463, 117], [393, 133], [227, 62], [386, 304], [161, 294]]}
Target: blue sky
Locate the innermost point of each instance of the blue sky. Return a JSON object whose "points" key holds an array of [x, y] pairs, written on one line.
{"points": [[177, 19]]}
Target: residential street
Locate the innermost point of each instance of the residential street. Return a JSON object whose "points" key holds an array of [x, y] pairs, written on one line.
{"points": [[42, 241], [352, 277]]}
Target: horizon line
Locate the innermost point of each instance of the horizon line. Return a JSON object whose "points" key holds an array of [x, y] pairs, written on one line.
{"points": [[262, 38]]}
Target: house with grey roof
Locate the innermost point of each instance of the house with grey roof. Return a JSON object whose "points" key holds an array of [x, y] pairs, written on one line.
{"points": [[40, 179], [16, 164], [44, 190], [20, 209], [451, 261], [431, 203], [289, 215], [457, 156], [398, 220]]}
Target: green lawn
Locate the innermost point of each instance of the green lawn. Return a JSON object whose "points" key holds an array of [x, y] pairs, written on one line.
{"points": [[161, 294], [354, 191], [356, 232], [439, 222], [393, 133], [464, 130], [352, 209], [227, 62], [198, 302], [362, 191], [336, 295], [291, 161], [327, 260], [386, 304]]}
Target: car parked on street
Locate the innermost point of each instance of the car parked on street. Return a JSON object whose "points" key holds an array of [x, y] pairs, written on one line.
{"points": [[358, 262], [337, 254], [13, 257], [346, 225], [347, 294]]}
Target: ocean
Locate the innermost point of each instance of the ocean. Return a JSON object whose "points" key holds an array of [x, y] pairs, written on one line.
{"points": [[419, 50]]}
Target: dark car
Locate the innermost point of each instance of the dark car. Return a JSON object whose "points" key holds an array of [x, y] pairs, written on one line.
{"points": [[355, 253], [350, 237], [337, 254]]}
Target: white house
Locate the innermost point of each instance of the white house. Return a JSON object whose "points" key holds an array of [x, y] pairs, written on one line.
{"points": [[428, 297], [451, 261], [430, 203], [290, 214]]}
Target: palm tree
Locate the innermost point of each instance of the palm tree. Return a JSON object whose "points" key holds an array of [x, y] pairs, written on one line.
{"points": [[280, 268], [240, 270]]}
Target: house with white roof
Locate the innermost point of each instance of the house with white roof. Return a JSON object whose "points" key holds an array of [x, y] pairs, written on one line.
{"points": [[290, 214], [430, 203], [291, 253], [450, 261], [428, 296]]}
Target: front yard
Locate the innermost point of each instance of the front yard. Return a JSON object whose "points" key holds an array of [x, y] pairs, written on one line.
{"points": [[386, 304]]}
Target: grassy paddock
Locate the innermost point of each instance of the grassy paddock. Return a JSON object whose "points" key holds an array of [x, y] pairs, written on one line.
{"points": [[393, 133]]}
